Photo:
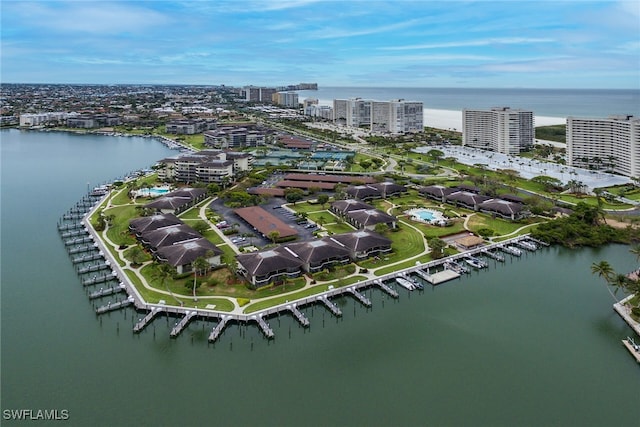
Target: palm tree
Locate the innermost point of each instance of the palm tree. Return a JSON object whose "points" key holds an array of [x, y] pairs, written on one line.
{"points": [[604, 270], [274, 235], [636, 251], [199, 264]]}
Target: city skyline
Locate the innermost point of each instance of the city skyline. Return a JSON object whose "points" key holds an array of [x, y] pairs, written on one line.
{"points": [[566, 44]]}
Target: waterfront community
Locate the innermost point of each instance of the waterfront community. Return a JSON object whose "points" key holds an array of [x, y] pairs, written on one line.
{"points": [[264, 211]]}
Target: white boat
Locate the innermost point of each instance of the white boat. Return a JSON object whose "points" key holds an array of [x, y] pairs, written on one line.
{"points": [[528, 245], [405, 283], [475, 262], [512, 250]]}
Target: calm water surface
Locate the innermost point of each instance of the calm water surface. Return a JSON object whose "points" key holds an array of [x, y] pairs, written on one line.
{"points": [[543, 102], [534, 342]]}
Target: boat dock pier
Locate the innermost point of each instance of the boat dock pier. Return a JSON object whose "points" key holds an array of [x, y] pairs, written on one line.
{"points": [[363, 299], [99, 279], [87, 258], [78, 241], [82, 249], [103, 292], [493, 255], [94, 268], [215, 333], [389, 290], [114, 306], [142, 323], [181, 324], [68, 227], [264, 326], [439, 277], [633, 348], [331, 306], [298, 315]]}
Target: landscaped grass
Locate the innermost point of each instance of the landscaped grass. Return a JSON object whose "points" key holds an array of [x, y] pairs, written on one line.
{"points": [[307, 207], [326, 215], [118, 231], [339, 228], [499, 226], [313, 290], [406, 243], [431, 231]]}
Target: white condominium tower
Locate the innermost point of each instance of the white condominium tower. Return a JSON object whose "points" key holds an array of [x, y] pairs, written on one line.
{"points": [[611, 144], [396, 116], [501, 129]]}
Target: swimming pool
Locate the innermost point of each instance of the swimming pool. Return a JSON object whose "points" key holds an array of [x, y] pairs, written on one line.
{"points": [[152, 192], [429, 216]]}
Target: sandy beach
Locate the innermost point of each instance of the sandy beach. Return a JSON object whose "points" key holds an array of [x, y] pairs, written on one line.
{"points": [[452, 119]]}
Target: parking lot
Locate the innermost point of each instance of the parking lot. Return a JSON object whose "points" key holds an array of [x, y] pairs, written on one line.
{"points": [[247, 236]]}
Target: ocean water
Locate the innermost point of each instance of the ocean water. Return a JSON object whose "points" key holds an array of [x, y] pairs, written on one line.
{"points": [[543, 102], [531, 342]]}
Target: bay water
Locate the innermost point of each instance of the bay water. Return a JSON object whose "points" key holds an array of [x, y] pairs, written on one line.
{"points": [[531, 342]]}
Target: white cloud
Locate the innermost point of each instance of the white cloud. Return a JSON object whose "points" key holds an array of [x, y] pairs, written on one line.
{"points": [[472, 43]]}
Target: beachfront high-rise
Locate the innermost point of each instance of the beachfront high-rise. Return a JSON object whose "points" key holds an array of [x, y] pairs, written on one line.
{"points": [[611, 143], [395, 117], [501, 129]]}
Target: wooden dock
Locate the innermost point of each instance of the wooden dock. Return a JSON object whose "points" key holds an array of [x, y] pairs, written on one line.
{"points": [[264, 326], [298, 315], [99, 279], [633, 348], [215, 333], [386, 288], [493, 255], [182, 323], [442, 276], [94, 268], [363, 299], [103, 292], [142, 323], [331, 306], [113, 306]]}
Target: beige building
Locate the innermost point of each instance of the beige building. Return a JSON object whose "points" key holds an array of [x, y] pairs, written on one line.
{"points": [[502, 130], [611, 143]]}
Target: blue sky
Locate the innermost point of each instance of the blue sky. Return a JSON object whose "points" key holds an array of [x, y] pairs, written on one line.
{"points": [[401, 43]]}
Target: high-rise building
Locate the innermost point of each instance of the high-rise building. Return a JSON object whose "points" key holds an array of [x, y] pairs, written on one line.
{"points": [[501, 129], [397, 116], [611, 143], [286, 99]]}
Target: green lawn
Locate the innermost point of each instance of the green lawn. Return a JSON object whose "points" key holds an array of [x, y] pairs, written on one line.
{"points": [[313, 290], [406, 243], [118, 231], [339, 228], [221, 304]]}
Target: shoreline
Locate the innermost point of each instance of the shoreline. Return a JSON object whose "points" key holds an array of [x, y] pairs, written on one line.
{"points": [[452, 119]]}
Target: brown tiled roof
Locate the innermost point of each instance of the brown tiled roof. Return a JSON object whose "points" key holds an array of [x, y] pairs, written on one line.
{"points": [[184, 253], [437, 190], [153, 222], [277, 192], [368, 217], [169, 235], [265, 222], [344, 206], [344, 179], [361, 240], [267, 262], [306, 184]]}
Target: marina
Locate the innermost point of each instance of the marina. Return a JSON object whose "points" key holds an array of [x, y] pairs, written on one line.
{"points": [[93, 261]]}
